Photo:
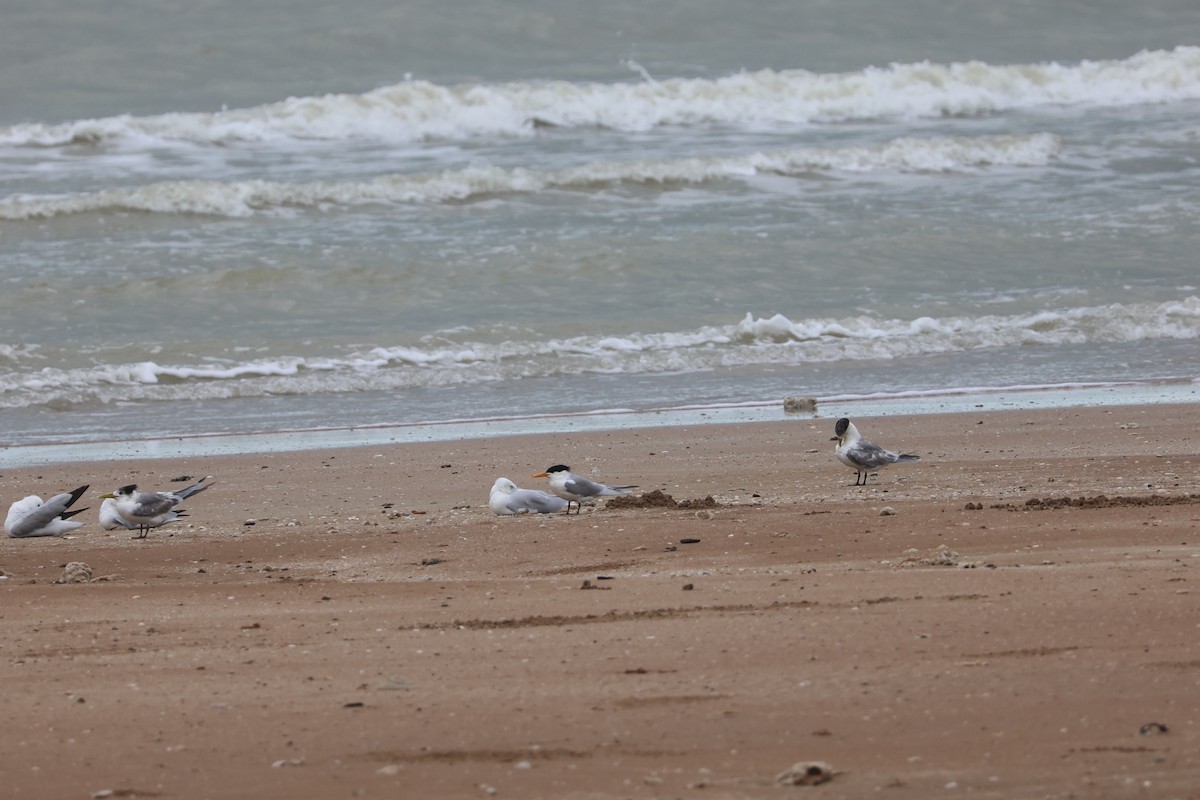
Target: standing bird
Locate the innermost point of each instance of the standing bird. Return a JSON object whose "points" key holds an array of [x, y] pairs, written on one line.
{"points": [[861, 455], [575, 488], [31, 517], [111, 519], [507, 499], [146, 510]]}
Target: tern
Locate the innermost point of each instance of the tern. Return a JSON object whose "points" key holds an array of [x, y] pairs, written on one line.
{"points": [[575, 488], [31, 517], [507, 499], [861, 455], [146, 510], [111, 519]]}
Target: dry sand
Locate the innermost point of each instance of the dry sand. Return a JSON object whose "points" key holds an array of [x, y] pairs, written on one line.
{"points": [[356, 623]]}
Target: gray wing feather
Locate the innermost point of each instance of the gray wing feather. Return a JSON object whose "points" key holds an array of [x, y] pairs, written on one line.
{"points": [[533, 500], [586, 488], [582, 487], [151, 505], [544, 503], [869, 455], [40, 520], [38, 517]]}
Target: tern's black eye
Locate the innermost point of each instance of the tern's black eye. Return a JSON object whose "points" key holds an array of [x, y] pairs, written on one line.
{"points": [[841, 427]]}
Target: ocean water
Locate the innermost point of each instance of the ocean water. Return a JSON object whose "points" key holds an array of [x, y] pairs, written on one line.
{"points": [[289, 216]]}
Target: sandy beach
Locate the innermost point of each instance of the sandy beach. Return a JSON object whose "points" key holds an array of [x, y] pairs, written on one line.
{"points": [[1015, 615]]}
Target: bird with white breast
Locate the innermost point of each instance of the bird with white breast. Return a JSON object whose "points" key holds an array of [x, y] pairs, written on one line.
{"points": [[30, 517], [508, 499], [576, 488], [861, 455], [146, 510]]}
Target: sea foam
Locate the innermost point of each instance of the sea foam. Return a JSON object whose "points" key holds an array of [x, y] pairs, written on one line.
{"points": [[752, 340], [245, 198], [416, 110]]}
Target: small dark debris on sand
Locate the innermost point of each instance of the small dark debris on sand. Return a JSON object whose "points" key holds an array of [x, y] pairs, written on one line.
{"points": [[660, 499]]}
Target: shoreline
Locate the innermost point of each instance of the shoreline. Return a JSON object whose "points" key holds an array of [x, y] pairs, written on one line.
{"points": [[1165, 391]]}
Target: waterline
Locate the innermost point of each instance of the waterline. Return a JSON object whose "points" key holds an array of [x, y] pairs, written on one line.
{"points": [[897, 404]]}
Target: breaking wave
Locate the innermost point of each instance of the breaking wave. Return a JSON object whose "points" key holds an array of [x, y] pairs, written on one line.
{"points": [[244, 198], [416, 110], [442, 361]]}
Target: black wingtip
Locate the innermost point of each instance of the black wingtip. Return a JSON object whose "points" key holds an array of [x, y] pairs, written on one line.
{"points": [[75, 495], [72, 512]]}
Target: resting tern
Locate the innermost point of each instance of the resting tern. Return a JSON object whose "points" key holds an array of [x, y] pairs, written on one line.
{"points": [[31, 517], [574, 488], [861, 455], [146, 510], [507, 499]]}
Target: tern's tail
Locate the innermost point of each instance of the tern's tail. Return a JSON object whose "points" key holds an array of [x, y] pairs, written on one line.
{"points": [[907, 457]]}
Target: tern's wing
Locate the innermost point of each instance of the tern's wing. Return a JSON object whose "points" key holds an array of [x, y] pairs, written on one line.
{"points": [[151, 504], [869, 455], [583, 487], [536, 501], [195, 488]]}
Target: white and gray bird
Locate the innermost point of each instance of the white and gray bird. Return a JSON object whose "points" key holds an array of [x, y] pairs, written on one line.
{"points": [[861, 455], [142, 511], [507, 499], [111, 519], [575, 488], [31, 517]]}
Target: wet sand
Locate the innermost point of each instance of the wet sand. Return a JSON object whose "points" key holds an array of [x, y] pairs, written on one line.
{"points": [[356, 623]]}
